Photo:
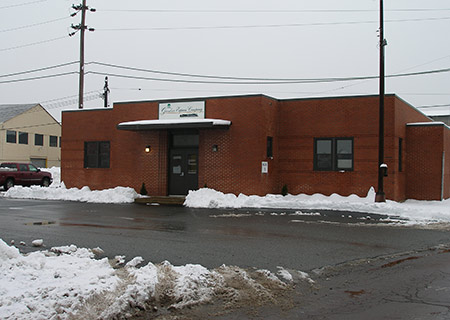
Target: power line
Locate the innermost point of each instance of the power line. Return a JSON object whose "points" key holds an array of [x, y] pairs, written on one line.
{"points": [[227, 79], [67, 97], [71, 100], [265, 82], [33, 126], [256, 26], [188, 74], [33, 43], [238, 81], [38, 70], [33, 25], [22, 4], [39, 78], [268, 11], [67, 101], [254, 80]]}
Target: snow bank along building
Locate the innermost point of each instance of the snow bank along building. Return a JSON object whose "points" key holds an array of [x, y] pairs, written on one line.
{"points": [[256, 144]]}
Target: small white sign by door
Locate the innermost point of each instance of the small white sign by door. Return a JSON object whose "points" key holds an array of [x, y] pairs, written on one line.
{"points": [[264, 167]]}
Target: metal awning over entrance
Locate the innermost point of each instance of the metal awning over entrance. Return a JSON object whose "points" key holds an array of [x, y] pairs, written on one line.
{"points": [[179, 123]]}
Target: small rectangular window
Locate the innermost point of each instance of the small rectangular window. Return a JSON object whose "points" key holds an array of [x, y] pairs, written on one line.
{"points": [[11, 136], [103, 155], [38, 139], [333, 154], [53, 141], [323, 154], [192, 164], [344, 154], [23, 137], [269, 147], [97, 154], [185, 140]]}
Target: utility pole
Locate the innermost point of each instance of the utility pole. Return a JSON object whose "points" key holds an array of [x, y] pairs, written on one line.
{"points": [[105, 93], [382, 167], [82, 28]]}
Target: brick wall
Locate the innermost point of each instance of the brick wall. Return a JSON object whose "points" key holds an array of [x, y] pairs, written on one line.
{"points": [[303, 120], [236, 166], [447, 163], [426, 144], [77, 128]]}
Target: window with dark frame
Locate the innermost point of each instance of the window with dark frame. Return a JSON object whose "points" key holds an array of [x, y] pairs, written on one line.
{"points": [[269, 147], [333, 154], [23, 137], [96, 154], [53, 142], [38, 139], [11, 136]]}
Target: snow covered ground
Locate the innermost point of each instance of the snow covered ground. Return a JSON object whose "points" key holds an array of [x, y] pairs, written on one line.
{"points": [[58, 191], [411, 212], [69, 282], [408, 212]]}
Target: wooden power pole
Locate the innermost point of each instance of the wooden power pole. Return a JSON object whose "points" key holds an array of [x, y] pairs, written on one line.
{"points": [[382, 167], [82, 28]]}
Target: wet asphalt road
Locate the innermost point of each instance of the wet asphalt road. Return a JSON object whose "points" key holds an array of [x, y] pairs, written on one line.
{"points": [[257, 238]]}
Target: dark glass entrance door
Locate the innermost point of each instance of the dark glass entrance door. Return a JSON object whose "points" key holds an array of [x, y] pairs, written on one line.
{"points": [[183, 161], [183, 174]]}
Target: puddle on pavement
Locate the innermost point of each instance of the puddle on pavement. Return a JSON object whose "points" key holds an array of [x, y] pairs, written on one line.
{"points": [[396, 262], [354, 294], [40, 223], [154, 226]]}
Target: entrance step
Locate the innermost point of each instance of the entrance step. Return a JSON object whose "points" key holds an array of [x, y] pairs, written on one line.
{"points": [[174, 201]]}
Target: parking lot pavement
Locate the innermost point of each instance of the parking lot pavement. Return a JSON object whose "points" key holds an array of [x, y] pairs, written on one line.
{"points": [[210, 237], [362, 269]]}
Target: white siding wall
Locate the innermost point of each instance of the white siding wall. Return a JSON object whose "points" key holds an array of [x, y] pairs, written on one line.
{"points": [[35, 120]]}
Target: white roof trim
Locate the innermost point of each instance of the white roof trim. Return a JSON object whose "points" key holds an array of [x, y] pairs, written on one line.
{"points": [[424, 124], [179, 123]]}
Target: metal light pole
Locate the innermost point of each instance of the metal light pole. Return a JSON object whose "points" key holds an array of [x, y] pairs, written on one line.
{"points": [[382, 168]]}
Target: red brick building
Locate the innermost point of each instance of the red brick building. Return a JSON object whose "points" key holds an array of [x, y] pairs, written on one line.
{"points": [[255, 145]]}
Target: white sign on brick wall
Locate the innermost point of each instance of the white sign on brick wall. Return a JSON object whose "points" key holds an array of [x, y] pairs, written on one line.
{"points": [[176, 110], [264, 167]]}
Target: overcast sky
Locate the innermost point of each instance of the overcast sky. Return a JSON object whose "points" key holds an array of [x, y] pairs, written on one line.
{"points": [[282, 39]]}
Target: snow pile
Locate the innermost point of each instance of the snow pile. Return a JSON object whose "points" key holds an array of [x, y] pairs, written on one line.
{"points": [[58, 191], [56, 175], [43, 284], [68, 282], [209, 198], [412, 210], [115, 195]]}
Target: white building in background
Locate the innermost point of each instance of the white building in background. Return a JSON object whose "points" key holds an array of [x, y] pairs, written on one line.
{"points": [[28, 133]]}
